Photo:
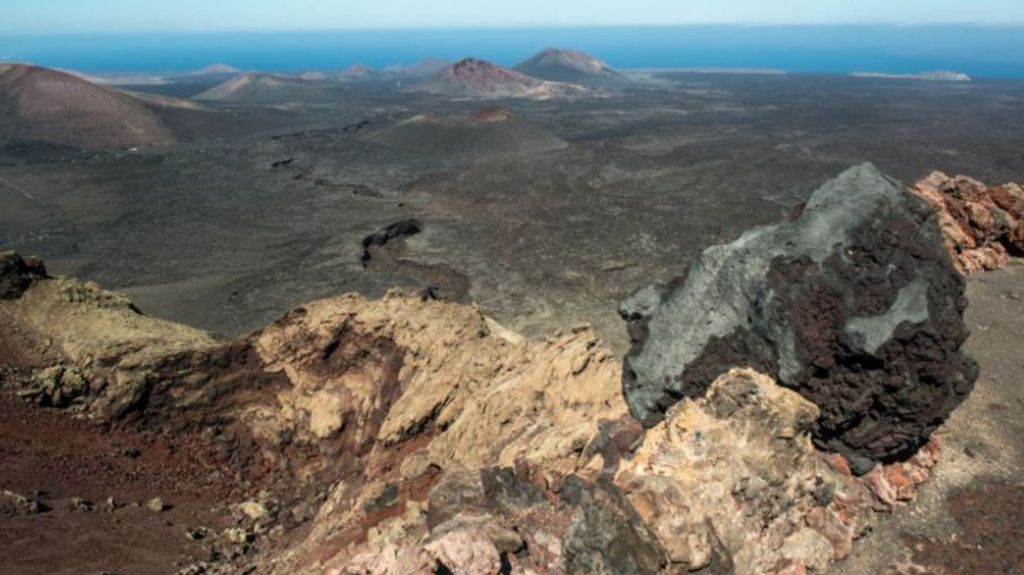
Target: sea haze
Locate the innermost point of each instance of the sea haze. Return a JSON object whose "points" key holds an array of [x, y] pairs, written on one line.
{"points": [[985, 52]]}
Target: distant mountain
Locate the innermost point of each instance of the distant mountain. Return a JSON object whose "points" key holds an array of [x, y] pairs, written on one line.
{"points": [[567, 66], [315, 76], [425, 67], [42, 104], [356, 71], [490, 132], [480, 79], [360, 73], [217, 69], [259, 88], [936, 76]]}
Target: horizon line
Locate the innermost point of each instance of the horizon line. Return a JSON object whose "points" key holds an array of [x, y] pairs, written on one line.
{"points": [[511, 27]]}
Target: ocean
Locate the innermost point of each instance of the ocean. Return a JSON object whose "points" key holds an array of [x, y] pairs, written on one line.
{"points": [[982, 52]]}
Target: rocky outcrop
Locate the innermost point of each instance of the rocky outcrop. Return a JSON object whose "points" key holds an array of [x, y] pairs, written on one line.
{"points": [[981, 226], [854, 304], [684, 500], [397, 231], [405, 436], [17, 274], [410, 435]]}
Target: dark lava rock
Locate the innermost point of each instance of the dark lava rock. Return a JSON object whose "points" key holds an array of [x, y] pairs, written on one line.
{"points": [[17, 274], [396, 231], [599, 529], [606, 535], [854, 304]]}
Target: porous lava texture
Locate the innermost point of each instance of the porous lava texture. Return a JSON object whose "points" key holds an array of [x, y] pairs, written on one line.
{"points": [[854, 304], [981, 226]]}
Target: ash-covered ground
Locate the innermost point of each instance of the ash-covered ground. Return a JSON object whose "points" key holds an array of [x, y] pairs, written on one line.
{"points": [[267, 206]]}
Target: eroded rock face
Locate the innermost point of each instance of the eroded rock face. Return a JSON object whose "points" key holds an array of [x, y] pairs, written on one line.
{"points": [[685, 500], [854, 304], [981, 226], [685, 483]]}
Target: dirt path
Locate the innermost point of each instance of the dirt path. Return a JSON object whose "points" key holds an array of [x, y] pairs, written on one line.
{"points": [[5, 182]]}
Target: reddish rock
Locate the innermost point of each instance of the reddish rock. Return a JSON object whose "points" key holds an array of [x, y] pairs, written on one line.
{"points": [[981, 226], [481, 79], [898, 482]]}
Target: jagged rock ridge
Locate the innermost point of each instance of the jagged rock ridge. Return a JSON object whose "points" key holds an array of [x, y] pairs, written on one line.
{"points": [[854, 304]]}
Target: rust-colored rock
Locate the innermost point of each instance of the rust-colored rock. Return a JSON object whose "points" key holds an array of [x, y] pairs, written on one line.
{"points": [[981, 225]]}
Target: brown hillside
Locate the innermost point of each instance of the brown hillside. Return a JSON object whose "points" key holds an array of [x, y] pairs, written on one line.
{"points": [[41, 104]]}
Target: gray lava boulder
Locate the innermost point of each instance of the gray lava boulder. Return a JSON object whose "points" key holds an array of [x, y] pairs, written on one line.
{"points": [[854, 304], [17, 274]]}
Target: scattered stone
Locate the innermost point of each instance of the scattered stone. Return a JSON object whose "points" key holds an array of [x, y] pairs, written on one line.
{"points": [[854, 304], [79, 504], [21, 504], [157, 505], [238, 535], [112, 504], [197, 533], [57, 386], [253, 510]]}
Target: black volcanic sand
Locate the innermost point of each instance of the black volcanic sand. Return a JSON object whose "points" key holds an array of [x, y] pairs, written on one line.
{"points": [[969, 518], [210, 232]]}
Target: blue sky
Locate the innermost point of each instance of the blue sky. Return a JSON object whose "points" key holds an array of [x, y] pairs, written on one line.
{"points": [[83, 16]]}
